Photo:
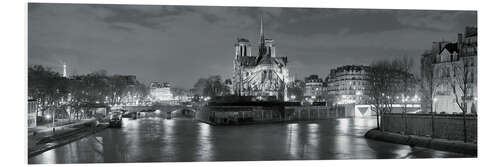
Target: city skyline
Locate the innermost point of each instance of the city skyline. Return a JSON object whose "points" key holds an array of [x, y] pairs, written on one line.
{"points": [[183, 43], [152, 83]]}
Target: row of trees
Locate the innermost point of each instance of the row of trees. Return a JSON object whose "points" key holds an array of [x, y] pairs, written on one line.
{"points": [[390, 82], [211, 87], [216, 86], [80, 93], [297, 89]]}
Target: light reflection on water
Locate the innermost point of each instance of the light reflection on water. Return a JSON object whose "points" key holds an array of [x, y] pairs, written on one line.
{"points": [[170, 142], [313, 140], [205, 142], [162, 140], [293, 140]]}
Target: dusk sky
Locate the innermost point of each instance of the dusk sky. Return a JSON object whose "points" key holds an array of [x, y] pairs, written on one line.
{"points": [[180, 44]]}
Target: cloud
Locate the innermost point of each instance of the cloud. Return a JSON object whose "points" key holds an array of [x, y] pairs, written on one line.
{"points": [[436, 20], [146, 16], [183, 43]]}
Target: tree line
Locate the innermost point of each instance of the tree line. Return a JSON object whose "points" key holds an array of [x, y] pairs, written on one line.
{"points": [[78, 94], [210, 87], [390, 82]]}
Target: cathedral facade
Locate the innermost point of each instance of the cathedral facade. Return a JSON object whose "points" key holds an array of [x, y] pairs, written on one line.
{"points": [[264, 74]]}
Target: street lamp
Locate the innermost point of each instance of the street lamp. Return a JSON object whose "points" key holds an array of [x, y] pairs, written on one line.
{"points": [[53, 121], [432, 116], [434, 100], [48, 116]]}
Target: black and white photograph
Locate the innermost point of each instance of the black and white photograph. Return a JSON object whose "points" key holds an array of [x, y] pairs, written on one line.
{"points": [[152, 83]]}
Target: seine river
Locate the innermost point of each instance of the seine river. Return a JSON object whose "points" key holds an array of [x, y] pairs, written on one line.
{"points": [[183, 139]]}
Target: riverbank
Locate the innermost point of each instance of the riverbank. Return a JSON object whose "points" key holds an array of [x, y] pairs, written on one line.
{"points": [[420, 141], [43, 140]]}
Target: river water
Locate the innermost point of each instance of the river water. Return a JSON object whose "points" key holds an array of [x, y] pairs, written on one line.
{"points": [[183, 139]]}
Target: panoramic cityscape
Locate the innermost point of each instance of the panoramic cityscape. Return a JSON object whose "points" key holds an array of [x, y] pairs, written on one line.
{"points": [[151, 83]]}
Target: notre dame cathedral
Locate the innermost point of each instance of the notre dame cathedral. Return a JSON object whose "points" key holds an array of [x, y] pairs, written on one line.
{"points": [[262, 75]]}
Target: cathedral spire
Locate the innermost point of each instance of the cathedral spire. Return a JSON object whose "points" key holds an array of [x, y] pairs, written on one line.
{"points": [[262, 46], [261, 31]]}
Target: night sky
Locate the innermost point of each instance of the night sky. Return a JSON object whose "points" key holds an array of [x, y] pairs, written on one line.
{"points": [[183, 43]]}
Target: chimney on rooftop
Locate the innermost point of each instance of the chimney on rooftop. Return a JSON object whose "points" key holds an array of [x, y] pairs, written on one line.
{"points": [[459, 43]]}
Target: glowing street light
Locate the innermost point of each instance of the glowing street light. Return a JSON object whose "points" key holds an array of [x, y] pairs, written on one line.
{"points": [[435, 104]]}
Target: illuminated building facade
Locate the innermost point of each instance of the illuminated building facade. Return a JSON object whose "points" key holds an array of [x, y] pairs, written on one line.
{"points": [[455, 66], [262, 75], [348, 84], [314, 87], [32, 108], [161, 92]]}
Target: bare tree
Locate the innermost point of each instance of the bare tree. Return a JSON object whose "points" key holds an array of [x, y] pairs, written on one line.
{"points": [[47, 87], [56, 93], [378, 79], [297, 88], [460, 87], [388, 79], [428, 84], [211, 86], [406, 84]]}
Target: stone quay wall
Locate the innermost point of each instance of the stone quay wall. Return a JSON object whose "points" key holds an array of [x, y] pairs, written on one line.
{"points": [[446, 126], [235, 115]]}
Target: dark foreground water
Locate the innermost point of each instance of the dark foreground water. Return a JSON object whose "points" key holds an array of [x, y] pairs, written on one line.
{"points": [[161, 140]]}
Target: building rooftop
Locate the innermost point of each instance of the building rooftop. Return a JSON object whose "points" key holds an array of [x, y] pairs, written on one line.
{"points": [[351, 68], [451, 47], [242, 40], [313, 78]]}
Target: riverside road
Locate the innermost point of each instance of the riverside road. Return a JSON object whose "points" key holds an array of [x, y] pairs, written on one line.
{"points": [[183, 139]]}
